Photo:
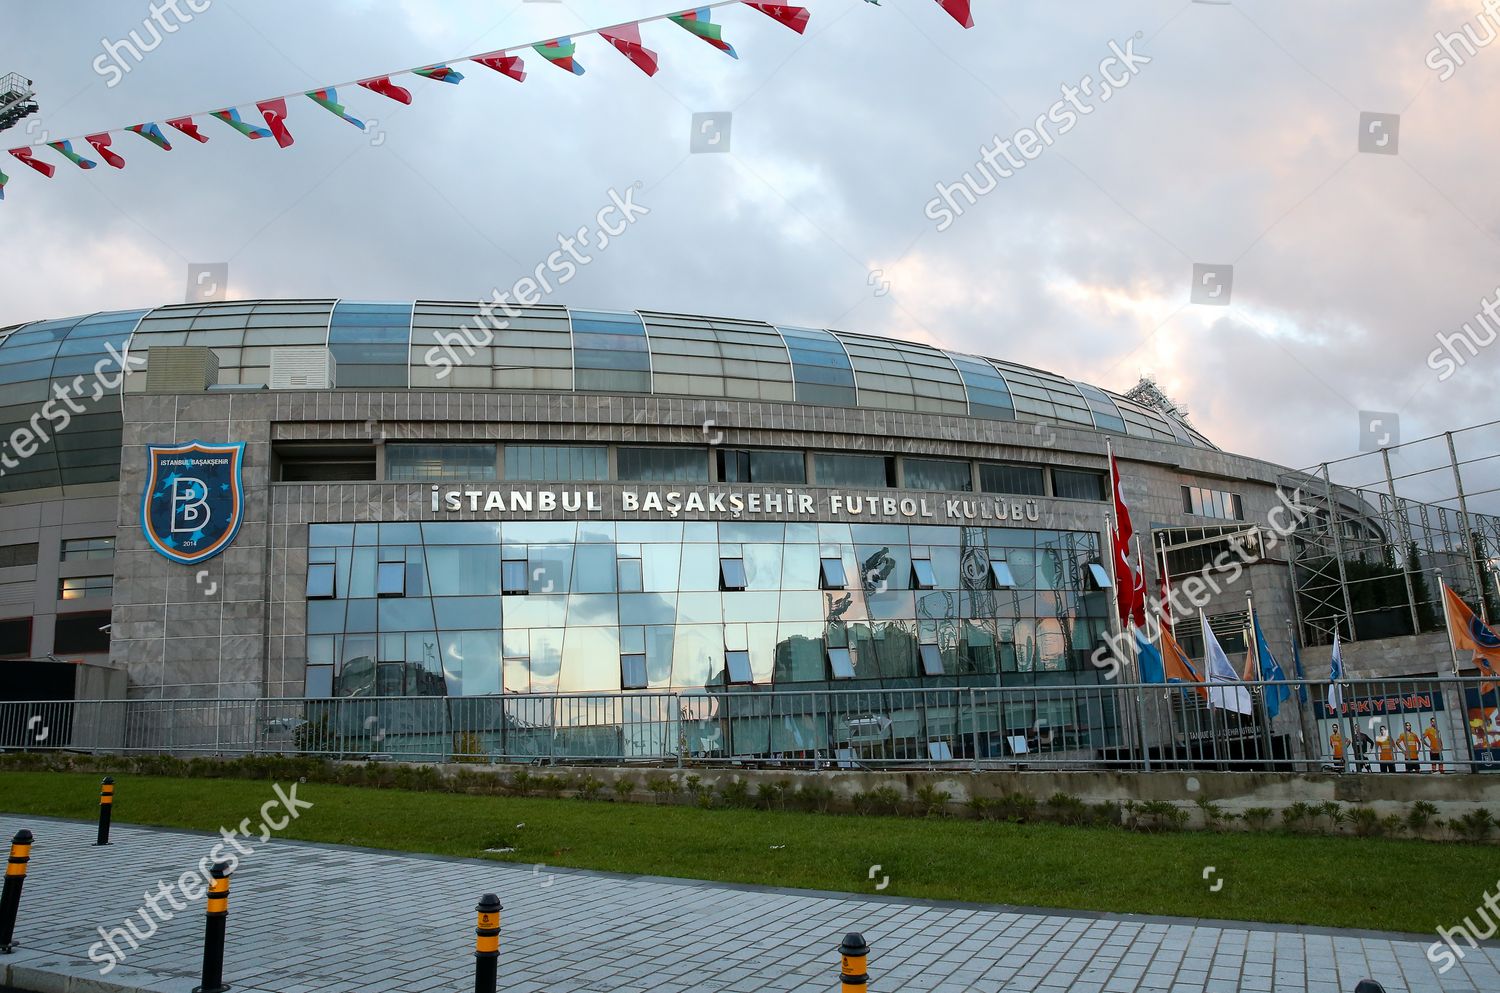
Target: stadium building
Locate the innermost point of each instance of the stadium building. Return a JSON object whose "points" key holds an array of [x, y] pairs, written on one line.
{"points": [[327, 499]]}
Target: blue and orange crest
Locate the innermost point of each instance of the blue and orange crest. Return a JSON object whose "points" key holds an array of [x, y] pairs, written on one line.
{"points": [[193, 500]]}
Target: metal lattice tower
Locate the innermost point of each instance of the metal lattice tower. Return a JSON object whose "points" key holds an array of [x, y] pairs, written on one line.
{"points": [[1148, 394], [17, 100]]}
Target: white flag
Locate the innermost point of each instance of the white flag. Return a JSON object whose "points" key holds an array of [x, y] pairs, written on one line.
{"points": [[1235, 698], [1335, 674]]}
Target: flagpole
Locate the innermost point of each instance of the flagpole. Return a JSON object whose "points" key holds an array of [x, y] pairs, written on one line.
{"points": [[1208, 677], [1114, 596], [1291, 633], [1135, 649], [1260, 677], [1463, 722]]}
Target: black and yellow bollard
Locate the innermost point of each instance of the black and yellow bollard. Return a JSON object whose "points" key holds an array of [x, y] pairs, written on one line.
{"points": [[106, 806], [10, 899], [487, 944], [213, 931], [852, 957]]}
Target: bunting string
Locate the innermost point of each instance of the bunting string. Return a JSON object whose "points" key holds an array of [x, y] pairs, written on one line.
{"points": [[561, 52]]}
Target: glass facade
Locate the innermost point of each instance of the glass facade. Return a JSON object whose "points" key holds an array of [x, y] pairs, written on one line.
{"points": [[445, 462], [610, 352], [370, 343], [556, 463], [663, 465], [481, 608]]}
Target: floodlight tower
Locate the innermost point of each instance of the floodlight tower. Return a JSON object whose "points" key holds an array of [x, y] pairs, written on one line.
{"points": [[17, 100]]}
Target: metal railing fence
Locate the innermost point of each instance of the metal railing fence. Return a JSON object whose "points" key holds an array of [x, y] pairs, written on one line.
{"points": [[1442, 724]]}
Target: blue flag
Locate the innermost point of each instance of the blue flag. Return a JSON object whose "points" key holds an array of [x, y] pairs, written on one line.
{"points": [[1301, 676], [1153, 670], [1277, 691]]}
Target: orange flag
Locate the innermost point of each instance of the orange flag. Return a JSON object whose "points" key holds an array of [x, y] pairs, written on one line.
{"points": [[1177, 664], [1470, 634]]}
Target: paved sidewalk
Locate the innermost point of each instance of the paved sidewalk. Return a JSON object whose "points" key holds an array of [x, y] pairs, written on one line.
{"points": [[305, 918]]}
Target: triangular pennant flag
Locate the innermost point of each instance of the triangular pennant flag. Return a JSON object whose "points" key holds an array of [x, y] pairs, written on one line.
{"points": [[153, 134], [231, 117], [329, 100], [959, 11], [274, 111], [101, 143], [25, 155], [559, 51], [65, 148], [3, 180], [443, 74], [386, 88], [700, 23], [793, 17], [187, 127], [506, 65], [627, 39]]}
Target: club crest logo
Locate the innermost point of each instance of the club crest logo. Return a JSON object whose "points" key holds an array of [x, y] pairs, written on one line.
{"points": [[193, 500]]}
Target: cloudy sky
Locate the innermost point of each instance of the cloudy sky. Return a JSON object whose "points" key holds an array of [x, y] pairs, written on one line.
{"points": [[1238, 144]]}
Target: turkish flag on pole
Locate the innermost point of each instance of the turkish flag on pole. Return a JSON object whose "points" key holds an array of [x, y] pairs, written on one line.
{"points": [[101, 143], [274, 112], [627, 39]]}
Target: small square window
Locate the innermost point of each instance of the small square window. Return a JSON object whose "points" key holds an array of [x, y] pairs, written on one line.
{"points": [[940, 751], [932, 661], [738, 666], [633, 672], [319, 684], [832, 575], [513, 577], [922, 576], [840, 664], [630, 576], [1099, 576], [732, 574], [1000, 573], [390, 579], [320, 582]]}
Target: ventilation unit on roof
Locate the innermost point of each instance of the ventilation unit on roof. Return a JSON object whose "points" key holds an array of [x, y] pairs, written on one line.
{"points": [[310, 368], [181, 369]]}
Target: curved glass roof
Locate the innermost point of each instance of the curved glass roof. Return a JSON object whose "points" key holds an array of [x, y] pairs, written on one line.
{"points": [[437, 344]]}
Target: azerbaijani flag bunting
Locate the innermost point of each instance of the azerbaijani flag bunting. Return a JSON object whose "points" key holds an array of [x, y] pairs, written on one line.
{"points": [[443, 74], [153, 134], [698, 22], [231, 117], [101, 143], [65, 148], [329, 100], [559, 51], [627, 39], [386, 88], [25, 155], [274, 112], [793, 17], [187, 127], [959, 10], [505, 65]]}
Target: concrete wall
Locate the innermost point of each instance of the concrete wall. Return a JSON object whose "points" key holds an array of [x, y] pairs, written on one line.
{"points": [[32, 591]]}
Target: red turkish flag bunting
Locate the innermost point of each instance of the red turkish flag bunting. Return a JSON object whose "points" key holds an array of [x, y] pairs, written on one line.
{"points": [[793, 17], [274, 112], [505, 65], [386, 88], [101, 143], [187, 127], [627, 39], [959, 10], [45, 168]]}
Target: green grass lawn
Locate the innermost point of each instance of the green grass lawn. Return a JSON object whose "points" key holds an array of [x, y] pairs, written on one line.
{"points": [[1393, 885]]}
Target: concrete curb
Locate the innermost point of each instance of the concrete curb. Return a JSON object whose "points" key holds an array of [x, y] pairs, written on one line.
{"points": [[49, 972]]}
